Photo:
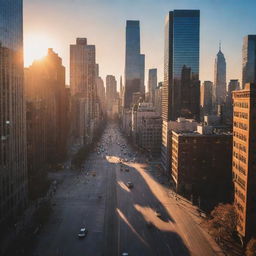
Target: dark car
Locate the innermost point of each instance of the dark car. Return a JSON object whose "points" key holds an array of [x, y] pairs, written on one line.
{"points": [[129, 184]]}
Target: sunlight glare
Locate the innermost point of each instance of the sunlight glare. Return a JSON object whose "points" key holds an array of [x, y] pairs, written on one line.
{"points": [[35, 47]]}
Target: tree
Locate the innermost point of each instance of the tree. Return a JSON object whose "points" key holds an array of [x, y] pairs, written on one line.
{"points": [[222, 224], [251, 248]]}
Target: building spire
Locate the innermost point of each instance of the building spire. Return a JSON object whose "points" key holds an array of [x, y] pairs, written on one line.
{"points": [[220, 46]]}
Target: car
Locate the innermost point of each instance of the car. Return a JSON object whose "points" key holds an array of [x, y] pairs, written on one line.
{"points": [[158, 213], [82, 233], [125, 254], [129, 184]]}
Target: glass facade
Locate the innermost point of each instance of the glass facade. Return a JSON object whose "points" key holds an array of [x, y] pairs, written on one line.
{"points": [[181, 84], [134, 63], [13, 163], [181, 87], [185, 42], [249, 59]]}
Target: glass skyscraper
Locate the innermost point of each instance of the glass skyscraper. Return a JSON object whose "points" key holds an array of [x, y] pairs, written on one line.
{"points": [[249, 60], [181, 88], [181, 67], [134, 63], [13, 163]]}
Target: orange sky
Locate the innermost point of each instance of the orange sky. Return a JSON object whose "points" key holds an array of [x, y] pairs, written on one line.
{"points": [[56, 24]]}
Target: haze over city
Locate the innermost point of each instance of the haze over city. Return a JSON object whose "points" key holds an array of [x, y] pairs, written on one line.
{"points": [[56, 23], [127, 127]]}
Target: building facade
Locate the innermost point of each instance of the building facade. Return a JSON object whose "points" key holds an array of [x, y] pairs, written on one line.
{"points": [[146, 127], [181, 88], [134, 63], [228, 109], [244, 157], [219, 86], [101, 94], [152, 84], [158, 98], [83, 72], [111, 91], [201, 165], [249, 60], [45, 89], [206, 98], [13, 154]]}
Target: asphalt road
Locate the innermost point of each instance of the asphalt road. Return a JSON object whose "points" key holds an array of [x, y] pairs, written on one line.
{"points": [[115, 216]]}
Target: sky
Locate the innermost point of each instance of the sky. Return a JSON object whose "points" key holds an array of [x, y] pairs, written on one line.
{"points": [[56, 24]]}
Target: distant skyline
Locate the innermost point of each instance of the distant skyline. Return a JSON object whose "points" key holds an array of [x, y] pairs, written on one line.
{"points": [[57, 24]]}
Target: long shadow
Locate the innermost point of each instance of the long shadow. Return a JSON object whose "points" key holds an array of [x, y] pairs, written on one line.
{"points": [[168, 243], [154, 240], [137, 209], [154, 203]]}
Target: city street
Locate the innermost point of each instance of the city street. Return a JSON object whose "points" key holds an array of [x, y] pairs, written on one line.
{"points": [[118, 219]]}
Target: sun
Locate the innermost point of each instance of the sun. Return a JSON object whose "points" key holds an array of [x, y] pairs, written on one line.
{"points": [[35, 47]]}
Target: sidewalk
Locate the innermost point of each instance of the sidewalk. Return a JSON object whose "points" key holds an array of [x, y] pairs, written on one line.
{"points": [[197, 215]]}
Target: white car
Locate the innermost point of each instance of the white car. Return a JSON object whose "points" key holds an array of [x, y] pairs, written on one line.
{"points": [[82, 233], [125, 254]]}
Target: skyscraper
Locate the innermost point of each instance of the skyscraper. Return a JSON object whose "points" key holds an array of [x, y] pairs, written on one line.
{"points": [[45, 85], [219, 86], [13, 164], [158, 98], [111, 90], [83, 89], [228, 110], [181, 89], [206, 98], [244, 158], [249, 60], [101, 91], [152, 84], [134, 63]]}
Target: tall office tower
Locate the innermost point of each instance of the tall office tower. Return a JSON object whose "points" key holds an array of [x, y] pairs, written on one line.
{"points": [[111, 90], [158, 98], [206, 98], [97, 70], [83, 71], [13, 164], [244, 158], [228, 110], [101, 91], [181, 89], [121, 93], [219, 86], [152, 84], [45, 86], [134, 63], [249, 60], [83, 89]]}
